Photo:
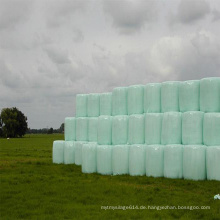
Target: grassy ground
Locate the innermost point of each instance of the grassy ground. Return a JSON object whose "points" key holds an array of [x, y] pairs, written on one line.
{"points": [[32, 187]]}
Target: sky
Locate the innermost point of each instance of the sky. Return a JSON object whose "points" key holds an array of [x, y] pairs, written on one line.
{"points": [[51, 50]]}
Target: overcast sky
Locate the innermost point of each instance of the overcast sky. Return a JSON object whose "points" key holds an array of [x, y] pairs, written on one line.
{"points": [[51, 50]]}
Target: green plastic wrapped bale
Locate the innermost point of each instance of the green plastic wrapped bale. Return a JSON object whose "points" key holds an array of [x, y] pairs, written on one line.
{"points": [[70, 129], [173, 161], [211, 129], [153, 125], [194, 162], [189, 95], [213, 162], [120, 129], [82, 129], [89, 157], [69, 152], [119, 101], [105, 130], [120, 158], [154, 160], [93, 105], [170, 96], [81, 105], [106, 103], [152, 100], [135, 99], [104, 159], [171, 128], [78, 152], [192, 126], [58, 151], [210, 94], [136, 129], [92, 129]]}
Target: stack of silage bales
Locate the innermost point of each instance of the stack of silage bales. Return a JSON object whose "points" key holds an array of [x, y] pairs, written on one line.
{"points": [[169, 129]]}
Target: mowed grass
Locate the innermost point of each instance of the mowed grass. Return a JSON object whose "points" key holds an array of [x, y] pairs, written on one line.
{"points": [[32, 187]]}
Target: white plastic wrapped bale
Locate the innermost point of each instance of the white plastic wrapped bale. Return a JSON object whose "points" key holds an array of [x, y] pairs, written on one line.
{"points": [[171, 128], [154, 160], [137, 154], [213, 162], [170, 96], [192, 126], [152, 100], [104, 159], [82, 129], [153, 125], [194, 162], [135, 99], [173, 161], [89, 157], [105, 130], [78, 152], [189, 95], [70, 129], [119, 101], [106, 103], [93, 105], [58, 151], [120, 129], [211, 129], [81, 105], [92, 129], [136, 129], [210, 94], [69, 152], [120, 158]]}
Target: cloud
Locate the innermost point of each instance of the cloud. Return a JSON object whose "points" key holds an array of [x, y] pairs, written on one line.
{"points": [[216, 15]]}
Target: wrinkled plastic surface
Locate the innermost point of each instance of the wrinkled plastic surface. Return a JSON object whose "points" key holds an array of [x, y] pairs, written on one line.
{"points": [[93, 105], [70, 129], [81, 105], [152, 100], [189, 95], [105, 130], [69, 152], [170, 96], [92, 129], [154, 160], [210, 94], [173, 161], [106, 103], [211, 129], [194, 162], [78, 152], [119, 101], [58, 151], [120, 129], [82, 129]]}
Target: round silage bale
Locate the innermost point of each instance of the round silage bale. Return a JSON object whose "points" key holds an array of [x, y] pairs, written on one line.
{"points": [[70, 129], [106, 103], [82, 129], [81, 105], [58, 151], [93, 105], [93, 129], [78, 152], [69, 152]]}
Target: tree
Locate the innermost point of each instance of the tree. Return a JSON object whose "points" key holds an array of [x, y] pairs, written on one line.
{"points": [[13, 123], [50, 131], [62, 128]]}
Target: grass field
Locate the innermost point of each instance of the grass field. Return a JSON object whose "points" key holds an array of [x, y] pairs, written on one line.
{"points": [[32, 187]]}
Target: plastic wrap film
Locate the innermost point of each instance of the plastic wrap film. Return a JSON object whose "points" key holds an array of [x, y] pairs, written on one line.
{"points": [[210, 94], [92, 129], [189, 95], [69, 152], [135, 99], [153, 125], [119, 101], [70, 129], [78, 152], [154, 160], [58, 151], [136, 129], [192, 127], [93, 105], [82, 129], [137, 154], [106, 103], [104, 159], [105, 130], [170, 96], [120, 159], [171, 128], [194, 162], [211, 129], [119, 129], [152, 98], [81, 105], [173, 161], [213, 162], [89, 157]]}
